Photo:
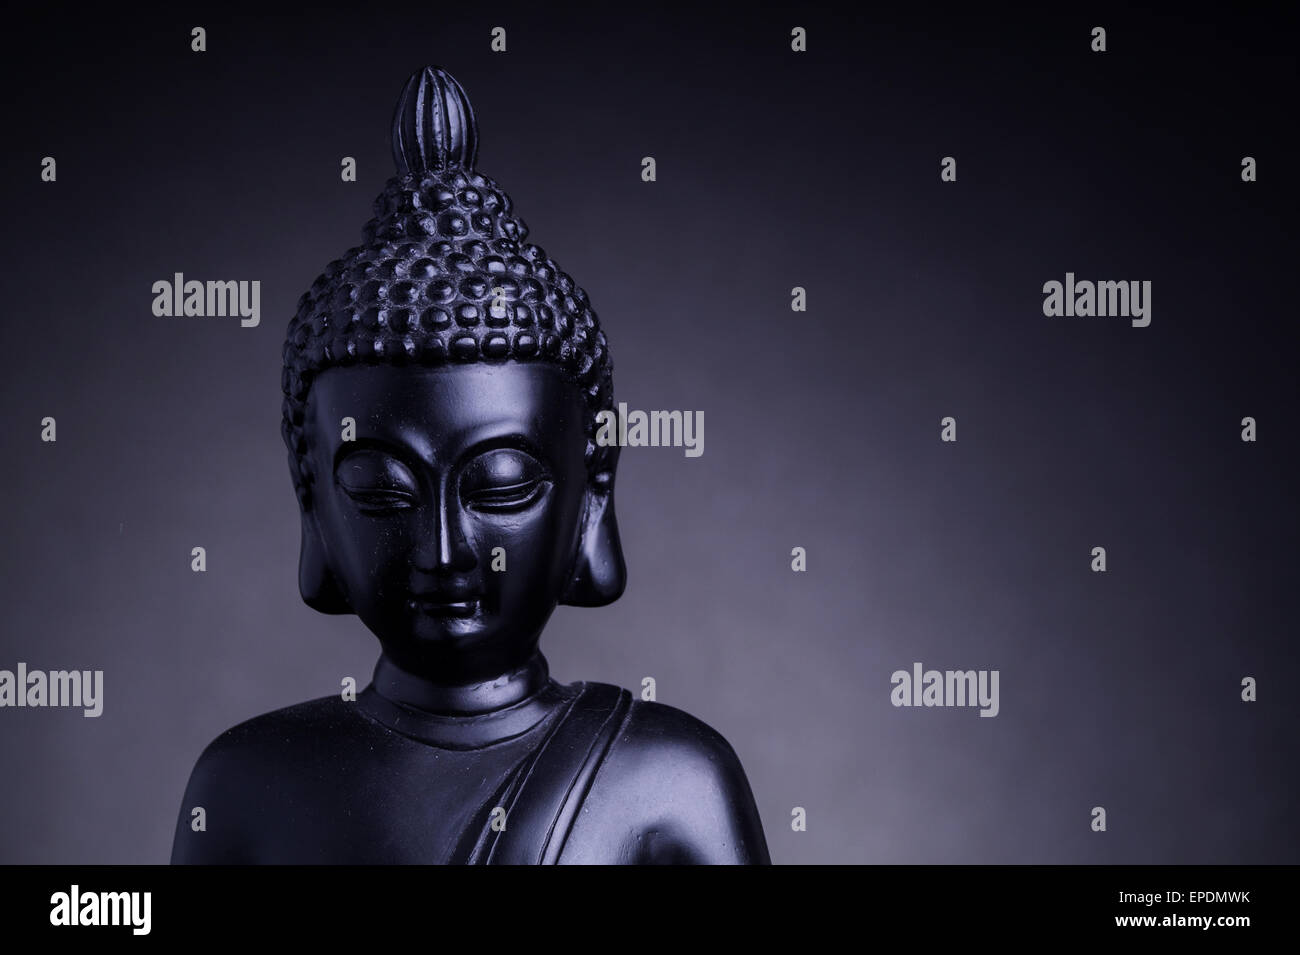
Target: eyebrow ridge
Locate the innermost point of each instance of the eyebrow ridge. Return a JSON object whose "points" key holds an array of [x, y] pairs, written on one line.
{"points": [[514, 441], [402, 453], [510, 441]]}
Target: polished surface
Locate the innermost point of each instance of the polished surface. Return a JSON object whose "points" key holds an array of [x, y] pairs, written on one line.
{"points": [[452, 496]]}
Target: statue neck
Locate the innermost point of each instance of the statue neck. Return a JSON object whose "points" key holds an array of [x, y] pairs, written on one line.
{"points": [[471, 699]]}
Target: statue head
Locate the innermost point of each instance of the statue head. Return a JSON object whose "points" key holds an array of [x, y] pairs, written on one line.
{"points": [[441, 385]]}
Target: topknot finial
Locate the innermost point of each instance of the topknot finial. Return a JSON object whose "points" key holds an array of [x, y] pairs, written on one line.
{"points": [[433, 125]]}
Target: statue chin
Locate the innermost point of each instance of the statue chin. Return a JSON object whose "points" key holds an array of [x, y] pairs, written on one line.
{"points": [[443, 384]]}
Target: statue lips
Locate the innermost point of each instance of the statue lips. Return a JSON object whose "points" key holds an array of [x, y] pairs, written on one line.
{"points": [[444, 603]]}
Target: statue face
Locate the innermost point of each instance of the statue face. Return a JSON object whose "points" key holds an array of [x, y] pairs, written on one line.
{"points": [[447, 465]]}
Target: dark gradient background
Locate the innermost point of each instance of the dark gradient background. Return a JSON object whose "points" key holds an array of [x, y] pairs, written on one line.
{"points": [[775, 169]]}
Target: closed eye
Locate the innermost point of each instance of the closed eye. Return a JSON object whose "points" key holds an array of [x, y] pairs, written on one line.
{"points": [[513, 497], [376, 500]]}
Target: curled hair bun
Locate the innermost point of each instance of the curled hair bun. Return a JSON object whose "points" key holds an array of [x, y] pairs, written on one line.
{"points": [[444, 275]]}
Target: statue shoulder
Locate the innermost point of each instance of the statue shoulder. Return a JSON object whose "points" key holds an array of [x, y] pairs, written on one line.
{"points": [[278, 730], [669, 733], [671, 789], [232, 775]]}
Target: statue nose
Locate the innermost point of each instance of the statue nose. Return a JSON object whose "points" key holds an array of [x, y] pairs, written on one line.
{"points": [[443, 547]]}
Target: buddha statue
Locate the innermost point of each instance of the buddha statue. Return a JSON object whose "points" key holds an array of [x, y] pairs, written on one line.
{"points": [[441, 386]]}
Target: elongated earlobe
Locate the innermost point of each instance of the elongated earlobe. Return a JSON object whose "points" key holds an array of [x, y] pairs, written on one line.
{"points": [[316, 582], [599, 573]]}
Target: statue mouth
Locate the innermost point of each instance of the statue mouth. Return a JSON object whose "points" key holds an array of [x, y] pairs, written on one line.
{"points": [[439, 607]]}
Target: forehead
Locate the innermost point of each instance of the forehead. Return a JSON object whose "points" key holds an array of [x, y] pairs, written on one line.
{"points": [[448, 404]]}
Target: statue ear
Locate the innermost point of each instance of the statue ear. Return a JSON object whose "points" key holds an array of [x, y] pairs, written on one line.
{"points": [[316, 582], [599, 574]]}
